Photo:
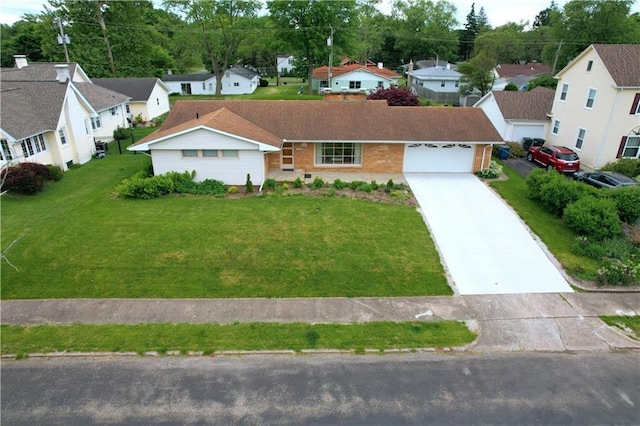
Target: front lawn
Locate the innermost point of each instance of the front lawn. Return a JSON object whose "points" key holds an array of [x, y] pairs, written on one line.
{"points": [[80, 241], [551, 229], [208, 338]]}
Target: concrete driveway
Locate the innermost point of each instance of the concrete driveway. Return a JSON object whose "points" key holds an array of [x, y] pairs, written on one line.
{"points": [[483, 243]]}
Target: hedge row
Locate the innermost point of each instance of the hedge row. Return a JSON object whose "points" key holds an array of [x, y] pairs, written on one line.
{"points": [[28, 178], [143, 187]]}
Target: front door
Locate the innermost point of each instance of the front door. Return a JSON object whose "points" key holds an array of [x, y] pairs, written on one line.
{"points": [[286, 156]]}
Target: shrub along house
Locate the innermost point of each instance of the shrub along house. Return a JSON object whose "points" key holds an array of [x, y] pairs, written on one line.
{"points": [[226, 140]]}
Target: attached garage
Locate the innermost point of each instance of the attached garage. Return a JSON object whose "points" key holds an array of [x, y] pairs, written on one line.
{"points": [[438, 158], [520, 131]]}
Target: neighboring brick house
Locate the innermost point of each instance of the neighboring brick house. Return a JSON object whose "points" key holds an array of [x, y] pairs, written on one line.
{"points": [[226, 140], [596, 109], [519, 115], [354, 77], [51, 113], [149, 97]]}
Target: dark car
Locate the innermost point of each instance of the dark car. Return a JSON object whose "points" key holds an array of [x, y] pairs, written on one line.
{"points": [[605, 179], [560, 158]]}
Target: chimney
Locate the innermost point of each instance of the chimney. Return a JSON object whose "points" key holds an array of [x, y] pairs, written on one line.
{"points": [[380, 65], [21, 61], [448, 66], [169, 72], [410, 67], [62, 71]]}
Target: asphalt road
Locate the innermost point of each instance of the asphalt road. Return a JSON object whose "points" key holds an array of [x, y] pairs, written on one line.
{"points": [[514, 389]]}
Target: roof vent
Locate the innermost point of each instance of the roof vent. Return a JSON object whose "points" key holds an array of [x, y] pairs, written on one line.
{"points": [[21, 61], [62, 71]]}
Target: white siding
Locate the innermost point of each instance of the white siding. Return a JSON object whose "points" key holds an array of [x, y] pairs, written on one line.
{"points": [[80, 145], [158, 102], [368, 81], [111, 122], [519, 131], [204, 139], [231, 171], [491, 109], [244, 85]]}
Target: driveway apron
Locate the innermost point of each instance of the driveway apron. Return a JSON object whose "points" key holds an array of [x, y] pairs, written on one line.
{"points": [[484, 244]]}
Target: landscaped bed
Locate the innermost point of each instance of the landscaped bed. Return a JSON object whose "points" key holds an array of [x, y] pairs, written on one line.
{"points": [[81, 241], [207, 338]]}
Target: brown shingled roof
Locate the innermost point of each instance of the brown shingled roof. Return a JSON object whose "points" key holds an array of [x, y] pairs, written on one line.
{"points": [[622, 62], [531, 105], [529, 70], [340, 121]]}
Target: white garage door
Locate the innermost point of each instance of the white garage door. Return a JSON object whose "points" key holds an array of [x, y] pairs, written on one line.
{"points": [[431, 157], [526, 131]]}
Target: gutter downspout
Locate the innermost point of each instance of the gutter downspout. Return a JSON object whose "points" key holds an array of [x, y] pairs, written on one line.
{"points": [[606, 131], [264, 158]]}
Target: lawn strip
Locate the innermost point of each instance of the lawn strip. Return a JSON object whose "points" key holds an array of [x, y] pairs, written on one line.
{"points": [[163, 337], [629, 324], [551, 229]]}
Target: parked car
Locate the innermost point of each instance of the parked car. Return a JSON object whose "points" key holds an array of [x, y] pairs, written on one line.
{"points": [[605, 179], [560, 158]]}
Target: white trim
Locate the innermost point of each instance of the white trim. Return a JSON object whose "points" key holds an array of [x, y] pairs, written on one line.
{"points": [[584, 137]]}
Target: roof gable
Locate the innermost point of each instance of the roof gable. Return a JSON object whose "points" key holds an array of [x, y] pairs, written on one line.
{"points": [[322, 73], [30, 108], [368, 121], [622, 61], [507, 71]]}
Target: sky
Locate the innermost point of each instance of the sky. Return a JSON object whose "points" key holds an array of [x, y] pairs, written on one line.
{"points": [[499, 12]]}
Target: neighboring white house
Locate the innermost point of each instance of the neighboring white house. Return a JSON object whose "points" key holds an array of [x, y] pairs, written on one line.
{"points": [[236, 81], [57, 131], [149, 96], [519, 115], [52, 113], [354, 77], [284, 64], [596, 109]]}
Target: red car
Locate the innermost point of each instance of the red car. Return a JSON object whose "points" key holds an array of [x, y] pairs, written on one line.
{"points": [[560, 158]]}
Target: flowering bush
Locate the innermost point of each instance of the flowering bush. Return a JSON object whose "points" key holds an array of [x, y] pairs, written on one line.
{"points": [[492, 172], [618, 273]]}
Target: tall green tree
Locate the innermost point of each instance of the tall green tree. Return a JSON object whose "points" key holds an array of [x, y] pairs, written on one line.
{"points": [[426, 28], [584, 22], [370, 31], [219, 26], [504, 43], [483, 21], [305, 25], [468, 35], [543, 19], [110, 38], [23, 37], [477, 74]]}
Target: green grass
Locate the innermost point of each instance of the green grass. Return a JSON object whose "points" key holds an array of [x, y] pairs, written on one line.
{"points": [[551, 229], [629, 324], [81, 241], [164, 337]]}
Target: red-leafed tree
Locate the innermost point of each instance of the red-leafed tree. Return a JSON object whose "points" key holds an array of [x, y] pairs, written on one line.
{"points": [[396, 97]]}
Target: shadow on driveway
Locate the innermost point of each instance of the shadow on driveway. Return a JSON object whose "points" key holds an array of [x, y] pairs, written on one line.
{"points": [[520, 165]]}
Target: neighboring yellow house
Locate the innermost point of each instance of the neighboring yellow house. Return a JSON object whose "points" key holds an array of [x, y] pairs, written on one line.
{"points": [[596, 109]]}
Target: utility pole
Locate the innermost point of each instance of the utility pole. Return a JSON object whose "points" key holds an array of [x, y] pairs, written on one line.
{"points": [[330, 44], [555, 61], [63, 39]]}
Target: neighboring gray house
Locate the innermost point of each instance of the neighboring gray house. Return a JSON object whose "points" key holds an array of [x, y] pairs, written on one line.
{"points": [[518, 115], [236, 81], [149, 96], [439, 83]]}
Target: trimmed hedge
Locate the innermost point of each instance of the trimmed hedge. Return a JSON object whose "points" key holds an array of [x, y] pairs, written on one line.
{"points": [[26, 178], [627, 166]]}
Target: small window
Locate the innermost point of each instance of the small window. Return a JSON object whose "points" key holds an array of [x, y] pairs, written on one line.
{"points": [[635, 105], [457, 83], [589, 65], [229, 153], [211, 87], [209, 152], [236, 84], [565, 90], [5, 152], [580, 138], [380, 84], [157, 101], [204, 86], [189, 152], [556, 127], [128, 109], [113, 111], [63, 138], [591, 98], [632, 147], [355, 84], [442, 83], [95, 123]]}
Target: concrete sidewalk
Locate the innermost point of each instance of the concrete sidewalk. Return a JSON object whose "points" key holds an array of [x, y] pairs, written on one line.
{"points": [[513, 322]]}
